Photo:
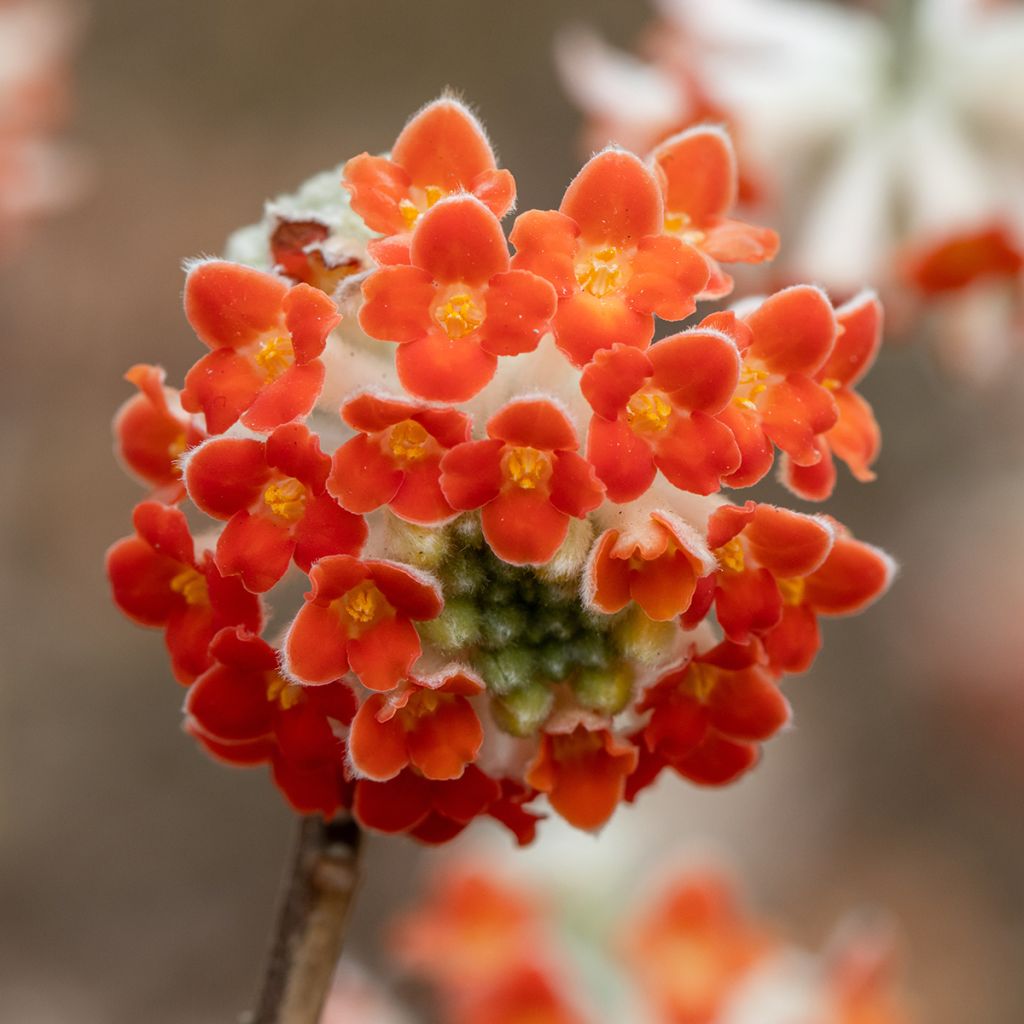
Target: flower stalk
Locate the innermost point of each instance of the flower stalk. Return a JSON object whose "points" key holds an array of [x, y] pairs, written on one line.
{"points": [[310, 928]]}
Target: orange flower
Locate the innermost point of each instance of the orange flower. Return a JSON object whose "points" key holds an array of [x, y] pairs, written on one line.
{"points": [[441, 151], [609, 257], [583, 773]]}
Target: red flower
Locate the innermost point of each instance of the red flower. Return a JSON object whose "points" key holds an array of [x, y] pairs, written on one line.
{"points": [[855, 438], [456, 306], [607, 254], [428, 723], [242, 701], [272, 495], [524, 994], [853, 576], [762, 550], [527, 479], [152, 435], [657, 564], [266, 338], [395, 460], [432, 811], [359, 615], [784, 342], [699, 181], [657, 410], [961, 259], [709, 714], [583, 773], [298, 251], [441, 151], [158, 581]]}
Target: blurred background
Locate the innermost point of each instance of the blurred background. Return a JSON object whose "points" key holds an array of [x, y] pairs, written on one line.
{"points": [[137, 879]]}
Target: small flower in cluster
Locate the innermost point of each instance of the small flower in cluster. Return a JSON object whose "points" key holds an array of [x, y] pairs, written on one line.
{"points": [[691, 953], [525, 588]]}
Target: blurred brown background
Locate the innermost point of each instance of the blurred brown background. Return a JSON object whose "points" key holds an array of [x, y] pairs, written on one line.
{"points": [[136, 878]]}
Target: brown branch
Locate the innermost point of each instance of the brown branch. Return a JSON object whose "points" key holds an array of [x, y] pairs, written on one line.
{"points": [[310, 926]]}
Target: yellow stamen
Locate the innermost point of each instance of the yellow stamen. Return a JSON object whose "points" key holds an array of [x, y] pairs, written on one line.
{"points": [[275, 356], [191, 584], [433, 193], [286, 694], [752, 380], [362, 603], [408, 441], [409, 211], [679, 224], [730, 556], [527, 468], [600, 274], [792, 590], [286, 498], [831, 383], [177, 447], [459, 316], [702, 679], [649, 410]]}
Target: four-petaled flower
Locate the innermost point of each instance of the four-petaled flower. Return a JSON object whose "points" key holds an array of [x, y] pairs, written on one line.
{"points": [[699, 181], [608, 255], [272, 494], [359, 615], [395, 459], [455, 306], [427, 723], [527, 480], [656, 411], [441, 151], [266, 338], [158, 580]]}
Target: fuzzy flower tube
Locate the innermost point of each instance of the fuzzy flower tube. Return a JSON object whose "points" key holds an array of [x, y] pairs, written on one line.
{"points": [[531, 578]]}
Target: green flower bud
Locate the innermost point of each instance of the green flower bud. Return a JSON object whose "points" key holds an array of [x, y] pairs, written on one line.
{"points": [[501, 625], [606, 691], [645, 640], [507, 669], [457, 626], [523, 711]]}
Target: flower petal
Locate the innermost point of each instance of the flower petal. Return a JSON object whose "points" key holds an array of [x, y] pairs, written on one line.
{"points": [[523, 527], [695, 452], [794, 413], [585, 324], [362, 477], [315, 646], [326, 529], [226, 475], [519, 308], [310, 315], [698, 369], [460, 240], [222, 385], [230, 305], [471, 473], [534, 423], [443, 369], [697, 170], [256, 548], [624, 462], [378, 749], [398, 304], [383, 655], [794, 330], [853, 576], [858, 341], [290, 397], [546, 244], [377, 185], [668, 275], [613, 377], [445, 741], [575, 488]]}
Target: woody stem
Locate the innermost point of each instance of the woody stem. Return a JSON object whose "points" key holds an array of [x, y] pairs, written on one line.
{"points": [[310, 928]]}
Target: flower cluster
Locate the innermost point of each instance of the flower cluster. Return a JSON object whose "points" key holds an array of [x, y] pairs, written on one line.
{"points": [[505, 494], [496, 952]]}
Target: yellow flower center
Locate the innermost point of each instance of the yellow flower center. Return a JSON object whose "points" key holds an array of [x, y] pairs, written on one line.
{"points": [[286, 498], [702, 679], [527, 468], [679, 224], [286, 694], [363, 604], [831, 383], [191, 584], [459, 316], [649, 411], [730, 556], [275, 356], [177, 447], [750, 385], [600, 274], [408, 441], [411, 212], [792, 590]]}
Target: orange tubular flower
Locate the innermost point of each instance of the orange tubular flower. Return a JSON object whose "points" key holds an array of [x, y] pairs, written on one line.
{"points": [[656, 411], [441, 151], [426, 723], [456, 306], [855, 438], [583, 773], [608, 255], [657, 564], [699, 181], [852, 577], [272, 495], [763, 552], [527, 479], [158, 581], [784, 342], [266, 339], [395, 460], [152, 435], [709, 715], [691, 948], [241, 705], [359, 615]]}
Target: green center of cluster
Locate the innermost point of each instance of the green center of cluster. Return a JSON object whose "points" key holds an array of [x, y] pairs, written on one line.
{"points": [[529, 638]]}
